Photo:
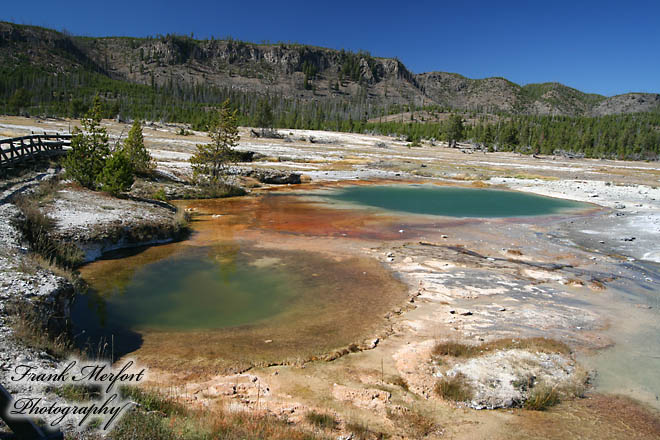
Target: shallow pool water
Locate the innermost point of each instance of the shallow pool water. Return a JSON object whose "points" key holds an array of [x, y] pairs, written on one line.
{"points": [[197, 288], [630, 367], [453, 201]]}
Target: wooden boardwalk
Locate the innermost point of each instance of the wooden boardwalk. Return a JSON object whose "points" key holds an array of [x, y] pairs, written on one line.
{"points": [[19, 149]]}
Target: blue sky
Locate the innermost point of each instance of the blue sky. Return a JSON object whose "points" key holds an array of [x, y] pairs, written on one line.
{"points": [[606, 47]]}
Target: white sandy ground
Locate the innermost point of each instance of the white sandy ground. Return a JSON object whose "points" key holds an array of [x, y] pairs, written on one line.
{"points": [[637, 211]]}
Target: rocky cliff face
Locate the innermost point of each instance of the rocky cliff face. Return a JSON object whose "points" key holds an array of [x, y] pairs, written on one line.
{"points": [[628, 103], [296, 71], [456, 91], [277, 68]]}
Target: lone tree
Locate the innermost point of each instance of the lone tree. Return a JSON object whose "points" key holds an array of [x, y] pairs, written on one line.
{"points": [[136, 152], [210, 160], [89, 149]]}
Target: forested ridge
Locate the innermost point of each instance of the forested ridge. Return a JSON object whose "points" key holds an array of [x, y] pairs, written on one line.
{"points": [[327, 90]]}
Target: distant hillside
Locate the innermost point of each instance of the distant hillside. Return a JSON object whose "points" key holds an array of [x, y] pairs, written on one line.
{"points": [[294, 72]]}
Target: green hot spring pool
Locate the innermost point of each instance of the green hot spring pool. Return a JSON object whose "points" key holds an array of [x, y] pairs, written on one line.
{"points": [[453, 201]]}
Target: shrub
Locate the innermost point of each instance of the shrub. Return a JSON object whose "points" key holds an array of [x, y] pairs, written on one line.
{"points": [[160, 194], [216, 190]]}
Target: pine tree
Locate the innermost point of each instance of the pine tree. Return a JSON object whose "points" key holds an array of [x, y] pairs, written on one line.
{"points": [[455, 129], [118, 174], [136, 152], [211, 159], [89, 149]]}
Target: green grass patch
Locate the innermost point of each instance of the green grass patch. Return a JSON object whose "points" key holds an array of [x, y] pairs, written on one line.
{"points": [[152, 401], [76, 393]]}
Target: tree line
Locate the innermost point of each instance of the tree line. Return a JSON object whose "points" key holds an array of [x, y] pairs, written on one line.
{"points": [[29, 90]]}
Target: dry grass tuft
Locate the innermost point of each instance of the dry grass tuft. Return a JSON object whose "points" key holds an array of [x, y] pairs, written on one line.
{"points": [[480, 184], [361, 431], [321, 420], [182, 219], [543, 345], [415, 423], [578, 385], [34, 262], [542, 397], [37, 228], [160, 418], [455, 349], [399, 382], [29, 328], [454, 388]]}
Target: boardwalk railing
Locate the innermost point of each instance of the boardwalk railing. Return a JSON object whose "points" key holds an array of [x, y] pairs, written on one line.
{"points": [[22, 148], [23, 428]]}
